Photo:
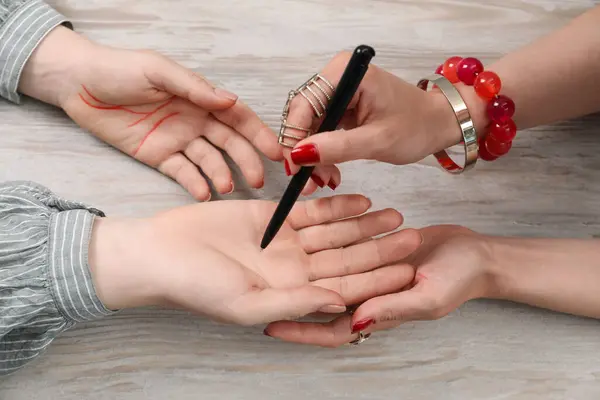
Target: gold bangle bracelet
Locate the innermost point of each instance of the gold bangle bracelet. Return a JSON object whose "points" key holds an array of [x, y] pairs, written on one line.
{"points": [[464, 121]]}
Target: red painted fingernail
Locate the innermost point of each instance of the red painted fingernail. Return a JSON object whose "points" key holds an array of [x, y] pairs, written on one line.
{"points": [[362, 325], [307, 154], [317, 180], [266, 333], [288, 171], [332, 185]]}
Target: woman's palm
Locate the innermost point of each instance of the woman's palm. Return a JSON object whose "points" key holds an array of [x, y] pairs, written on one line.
{"points": [[171, 119], [299, 273]]}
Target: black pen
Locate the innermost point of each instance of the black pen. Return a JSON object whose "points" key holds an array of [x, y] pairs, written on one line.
{"points": [[349, 82]]}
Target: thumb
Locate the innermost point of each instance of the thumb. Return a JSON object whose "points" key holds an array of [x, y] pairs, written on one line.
{"points": [[168, 76], [397, 308], [270, 305], [337, 147]]}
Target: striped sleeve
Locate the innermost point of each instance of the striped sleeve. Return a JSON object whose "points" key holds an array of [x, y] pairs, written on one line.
{"points": [[45, 281], [23, 25]]}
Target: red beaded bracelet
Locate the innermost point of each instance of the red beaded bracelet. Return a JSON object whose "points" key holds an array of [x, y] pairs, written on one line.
{"points": [[500, 109]]}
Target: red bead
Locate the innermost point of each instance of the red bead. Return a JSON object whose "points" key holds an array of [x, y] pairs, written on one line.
{"points": [[487, 85], [468, 69], [439, 69], [505, 132], [496, 148], [483, 153], [501, 109], [449, 69]]}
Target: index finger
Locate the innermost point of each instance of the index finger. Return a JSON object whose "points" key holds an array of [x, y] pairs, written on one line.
{"points": [[318, 211], [303, 108], [245, 121]]}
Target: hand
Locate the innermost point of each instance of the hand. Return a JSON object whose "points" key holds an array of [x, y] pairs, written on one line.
{"points": [[388, 120], [452, 266], [206, 258], [152, 109]]}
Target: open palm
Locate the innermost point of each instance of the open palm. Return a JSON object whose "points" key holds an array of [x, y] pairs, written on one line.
{"points": [[322, 259], [170, 118], [449, 270]]}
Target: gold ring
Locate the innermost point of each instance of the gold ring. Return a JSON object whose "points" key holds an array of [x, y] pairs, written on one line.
{"points": [[464, 121]]}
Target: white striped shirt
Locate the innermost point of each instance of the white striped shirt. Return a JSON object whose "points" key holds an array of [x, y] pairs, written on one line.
{"points": [[45, 282], [23, 25]]}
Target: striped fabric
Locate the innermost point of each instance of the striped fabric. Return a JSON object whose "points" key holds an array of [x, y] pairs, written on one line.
{"points": [[23, 25], [45, 282]]}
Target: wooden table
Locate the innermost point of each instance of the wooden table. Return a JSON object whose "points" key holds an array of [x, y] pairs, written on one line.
{"points": [[549, 185]]}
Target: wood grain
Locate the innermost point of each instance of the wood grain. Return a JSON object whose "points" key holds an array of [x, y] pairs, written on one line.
{"points": [[548, 186]]}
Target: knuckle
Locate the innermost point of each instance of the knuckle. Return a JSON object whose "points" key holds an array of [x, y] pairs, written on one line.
{"points": [[243, 319], [346, 144], [300, 110], [389, 314], [383, 143], [361, 226], [331, 233], [342, 57], [150, 52], [175, 168], [313, 209], [196, 77], [235, 120], [324, 209], [344, 284], [434, 308], [378, 282]]}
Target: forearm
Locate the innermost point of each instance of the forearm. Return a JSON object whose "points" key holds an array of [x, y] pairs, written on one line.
{"points": [[46, 286], [555, 78], [120, 280], [50, 69], [557, 274], [551, 79], [23, 26]]}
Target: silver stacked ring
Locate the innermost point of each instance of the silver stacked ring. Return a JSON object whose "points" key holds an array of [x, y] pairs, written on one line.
{"points": [[308, 90]]}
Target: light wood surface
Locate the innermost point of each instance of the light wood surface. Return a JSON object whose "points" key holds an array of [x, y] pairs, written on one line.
{"points": [[549, 185]]}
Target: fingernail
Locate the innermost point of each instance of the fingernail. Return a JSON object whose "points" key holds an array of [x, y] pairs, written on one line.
{"points": [[226, 94], [362, 325], [307, 154], [288, 171], [317, 180], [332, 185], [232, 189], [333, 309], [266, 333], [422, 238]]}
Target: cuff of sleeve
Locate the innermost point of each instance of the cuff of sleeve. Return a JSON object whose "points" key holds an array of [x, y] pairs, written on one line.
{"points": [[69, 272], [20, 34]]}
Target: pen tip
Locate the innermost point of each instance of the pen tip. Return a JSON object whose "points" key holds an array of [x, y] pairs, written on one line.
{"points": [[264, 243]]}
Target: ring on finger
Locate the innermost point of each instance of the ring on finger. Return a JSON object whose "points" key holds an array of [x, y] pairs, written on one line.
{"points": [[313, 99], [362, 337]]}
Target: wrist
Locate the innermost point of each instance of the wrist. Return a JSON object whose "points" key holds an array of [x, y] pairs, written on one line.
{"points": [[120, 277], [504, 258], [50, 73], [445, 127]]}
